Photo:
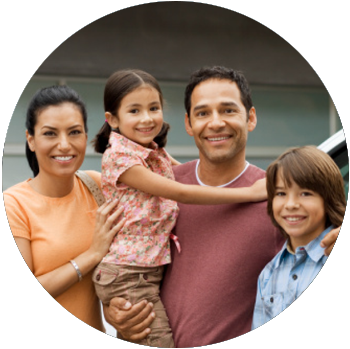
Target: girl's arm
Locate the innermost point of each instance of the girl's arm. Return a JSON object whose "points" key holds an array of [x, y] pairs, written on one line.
{"points": [[329, 240], [174, 162], [59, 280], [149, 182]]}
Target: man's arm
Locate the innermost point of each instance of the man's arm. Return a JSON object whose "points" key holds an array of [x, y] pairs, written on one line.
{"points": [[329, 240], [131, 321]]}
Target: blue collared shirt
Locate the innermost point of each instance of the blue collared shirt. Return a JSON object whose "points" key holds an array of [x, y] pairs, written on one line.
{"points": [[285, 278]]}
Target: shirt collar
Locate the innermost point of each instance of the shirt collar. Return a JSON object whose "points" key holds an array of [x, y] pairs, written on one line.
{"points": [[313, 248], [116, 140]]}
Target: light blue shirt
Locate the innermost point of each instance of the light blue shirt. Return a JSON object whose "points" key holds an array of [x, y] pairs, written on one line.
{"points": [[285, 278]]}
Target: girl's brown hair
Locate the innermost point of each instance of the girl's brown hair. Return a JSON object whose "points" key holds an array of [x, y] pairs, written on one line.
{"points": [[310, 168], [118, 85]]}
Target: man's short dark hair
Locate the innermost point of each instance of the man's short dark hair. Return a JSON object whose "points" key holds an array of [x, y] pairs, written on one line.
{"points": [[221, 73]]}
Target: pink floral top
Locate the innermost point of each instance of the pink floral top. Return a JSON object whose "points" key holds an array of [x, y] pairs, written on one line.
{"points": [[144, 239]]}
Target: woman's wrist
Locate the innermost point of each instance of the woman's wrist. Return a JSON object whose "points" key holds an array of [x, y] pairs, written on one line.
{"points": [[94, 257]]}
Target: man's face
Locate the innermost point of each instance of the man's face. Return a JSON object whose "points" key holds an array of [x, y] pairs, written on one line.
{"points": [[219, 122]]}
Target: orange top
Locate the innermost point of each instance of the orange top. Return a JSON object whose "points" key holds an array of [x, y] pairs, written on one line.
{"points": [[59, 230]]}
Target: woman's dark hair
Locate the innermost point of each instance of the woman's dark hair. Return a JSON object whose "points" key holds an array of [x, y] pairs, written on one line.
{"points": [[118, 85], [44, 98]]}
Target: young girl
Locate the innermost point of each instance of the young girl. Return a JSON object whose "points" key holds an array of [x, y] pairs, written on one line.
{"points": [[138, 171], [306, 200]]}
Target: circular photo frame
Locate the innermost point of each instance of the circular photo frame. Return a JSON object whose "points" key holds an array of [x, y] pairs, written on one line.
{"points": [[237, 96]]}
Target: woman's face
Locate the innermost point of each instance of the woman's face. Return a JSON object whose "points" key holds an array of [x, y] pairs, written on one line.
{"points": [[59, 140]]}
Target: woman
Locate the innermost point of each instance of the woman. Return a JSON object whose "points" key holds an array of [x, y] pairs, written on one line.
{"points": [[57, 225]]}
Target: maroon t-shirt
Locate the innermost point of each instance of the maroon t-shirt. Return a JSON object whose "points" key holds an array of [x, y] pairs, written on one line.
{"points": [[209, 289]]}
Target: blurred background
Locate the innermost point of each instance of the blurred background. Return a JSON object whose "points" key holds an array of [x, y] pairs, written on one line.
{"points": [[170, 40]]}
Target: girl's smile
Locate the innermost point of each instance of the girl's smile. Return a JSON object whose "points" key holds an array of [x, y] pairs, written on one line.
{"points": [[140, 115], [300, 212]]}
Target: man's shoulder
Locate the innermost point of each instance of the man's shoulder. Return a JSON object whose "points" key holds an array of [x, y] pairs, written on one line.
{"points": [[185, 171], [255, 171]]}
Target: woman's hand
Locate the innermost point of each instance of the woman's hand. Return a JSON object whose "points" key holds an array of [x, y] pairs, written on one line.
{"points": [[131, 321], [106, 228], [258, 190], [59, 280]]}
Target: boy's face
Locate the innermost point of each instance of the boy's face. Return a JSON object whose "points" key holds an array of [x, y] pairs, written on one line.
{"points": [[300, 212]]}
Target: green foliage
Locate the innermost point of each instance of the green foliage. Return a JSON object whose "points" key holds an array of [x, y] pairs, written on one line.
{"points": [[54, 327]]}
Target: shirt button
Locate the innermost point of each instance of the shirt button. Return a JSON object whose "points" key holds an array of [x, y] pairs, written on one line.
{"points": [[98, 277], [271, 299], [295, 277]]}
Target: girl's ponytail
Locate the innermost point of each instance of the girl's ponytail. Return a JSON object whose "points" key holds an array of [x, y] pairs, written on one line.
{"points": [[100, 142], [162, 137]]}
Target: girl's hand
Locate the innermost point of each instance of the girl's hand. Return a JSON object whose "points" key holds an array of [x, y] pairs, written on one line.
{"points": [[258, 190], [105, 228], [329, 240]]}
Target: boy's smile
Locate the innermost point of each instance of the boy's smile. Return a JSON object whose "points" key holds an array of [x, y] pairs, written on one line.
{"points": [[300, 212]]}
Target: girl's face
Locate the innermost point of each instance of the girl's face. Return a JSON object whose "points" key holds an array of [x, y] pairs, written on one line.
{"points": [[300, 212], [140, 115], [59, 140]]}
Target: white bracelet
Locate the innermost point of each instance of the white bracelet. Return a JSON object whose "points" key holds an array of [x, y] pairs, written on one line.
{"points": [[75, 265]]}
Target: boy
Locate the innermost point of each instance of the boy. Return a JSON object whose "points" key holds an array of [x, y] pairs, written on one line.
{"points": [[306, 200]]}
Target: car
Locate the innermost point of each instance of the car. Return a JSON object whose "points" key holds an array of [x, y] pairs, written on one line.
{"points": [[336, 147]]}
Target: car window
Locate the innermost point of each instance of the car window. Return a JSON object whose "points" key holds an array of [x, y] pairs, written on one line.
{"points": [[342, 160]]}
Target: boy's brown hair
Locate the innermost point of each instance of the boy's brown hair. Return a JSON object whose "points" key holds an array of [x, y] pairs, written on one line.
{"points": [[310, 168]]}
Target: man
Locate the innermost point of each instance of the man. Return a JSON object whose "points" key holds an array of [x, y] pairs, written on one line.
{"points": [[209, 289]]}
